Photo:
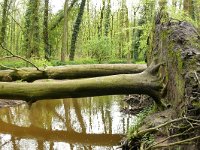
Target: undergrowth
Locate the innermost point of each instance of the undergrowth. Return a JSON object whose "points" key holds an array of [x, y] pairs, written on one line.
{"points": [[139, 119]]}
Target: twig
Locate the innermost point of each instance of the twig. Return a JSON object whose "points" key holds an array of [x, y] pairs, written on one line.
{"points": [[177, 143], [4, 144], [17, 56]]}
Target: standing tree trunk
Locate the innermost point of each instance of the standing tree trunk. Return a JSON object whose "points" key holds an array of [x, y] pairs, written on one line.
{"points": [[32, 38], [88, 19], [188, 7], [107, 19], [101, 19], [36, 28], [46, 31], [4, 22], [76, 30], [64, 49], [136, 35]]}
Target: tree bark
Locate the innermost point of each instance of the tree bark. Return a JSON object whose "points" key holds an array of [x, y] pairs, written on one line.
{"points": [[64, 49], [46, 31], [76, 30], [32, 36], [107, 18], [70, 72], [188, 7], [177, 45], [101, 19], [4, 22]]}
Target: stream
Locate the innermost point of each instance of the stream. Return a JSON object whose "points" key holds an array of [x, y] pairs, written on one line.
{"points": [[94, 123]]}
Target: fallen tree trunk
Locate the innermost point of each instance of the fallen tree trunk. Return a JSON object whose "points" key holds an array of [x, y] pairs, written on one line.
{"points": [[141, 83], [70, 72]]}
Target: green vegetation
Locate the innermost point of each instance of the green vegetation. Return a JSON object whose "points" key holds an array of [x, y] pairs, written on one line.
{"points": [[139, 120], [86, 32], [111, 31]]}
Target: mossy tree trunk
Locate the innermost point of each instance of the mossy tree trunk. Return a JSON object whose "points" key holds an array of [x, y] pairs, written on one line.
{"points": [[46, 31], [76, 30], [31, 34], [70, 72], [101, 19], [64, 49], [141, 83], [4, 21], [107, 18], [177, 46]]}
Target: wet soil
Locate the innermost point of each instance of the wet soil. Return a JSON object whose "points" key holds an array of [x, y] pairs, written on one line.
{"points": [[136, 103]]}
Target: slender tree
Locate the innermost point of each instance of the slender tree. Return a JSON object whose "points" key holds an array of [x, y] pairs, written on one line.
{"points": [[188, 7], [76, 30], [64, 49], [107, 18], [135, 35], [32, 38], [101, 19], [4, 21], [46, 30], [88, 19]]}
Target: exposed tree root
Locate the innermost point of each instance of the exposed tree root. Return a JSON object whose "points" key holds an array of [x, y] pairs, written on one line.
{"points": [[182, 142], [184, 137]]}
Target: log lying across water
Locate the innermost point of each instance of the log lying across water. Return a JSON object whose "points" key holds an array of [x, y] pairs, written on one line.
{"points": [[141, 83], [145, 82], [70, 72]]}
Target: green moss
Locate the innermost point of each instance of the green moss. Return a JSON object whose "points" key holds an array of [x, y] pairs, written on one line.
{"points": [[197, 104], [180, 62]]}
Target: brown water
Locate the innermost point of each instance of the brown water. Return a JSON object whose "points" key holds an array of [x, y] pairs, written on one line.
{"points": [[67, 124]]}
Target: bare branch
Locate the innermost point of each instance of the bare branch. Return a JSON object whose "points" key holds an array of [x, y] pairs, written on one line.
{"points": [[17, 56]]}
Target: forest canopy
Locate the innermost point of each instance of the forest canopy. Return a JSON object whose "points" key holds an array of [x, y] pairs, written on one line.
{"points": [[83, 31]]}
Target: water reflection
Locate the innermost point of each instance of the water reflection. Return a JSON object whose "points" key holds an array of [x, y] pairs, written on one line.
{"points": [[87, 123]]}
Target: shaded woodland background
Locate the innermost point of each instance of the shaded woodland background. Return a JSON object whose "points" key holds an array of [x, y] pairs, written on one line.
{"points": [[83, 32]]}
